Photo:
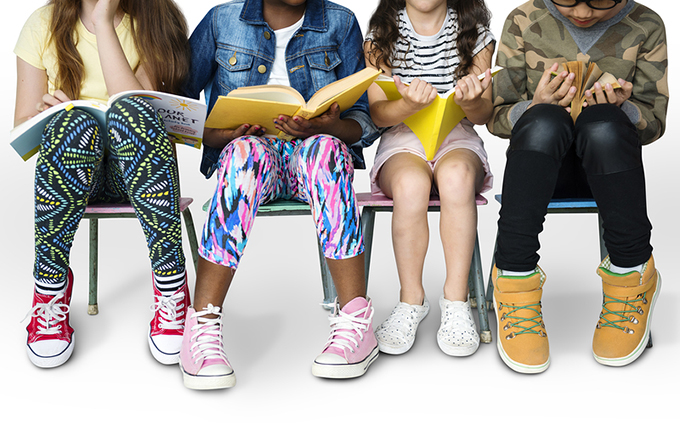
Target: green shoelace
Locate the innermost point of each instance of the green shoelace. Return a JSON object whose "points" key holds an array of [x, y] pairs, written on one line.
{"points": [[629, 306], [531, 322]]}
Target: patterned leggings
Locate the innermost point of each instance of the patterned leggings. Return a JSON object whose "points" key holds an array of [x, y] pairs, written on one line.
{"points": [[254, 171], [78, 165]]}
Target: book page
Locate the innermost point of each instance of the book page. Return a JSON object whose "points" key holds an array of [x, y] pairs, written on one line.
{"points": [[276, 93]]}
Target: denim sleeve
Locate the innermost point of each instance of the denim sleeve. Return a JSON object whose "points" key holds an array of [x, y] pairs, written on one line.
{"points": [[352, 56], [203, 49]]}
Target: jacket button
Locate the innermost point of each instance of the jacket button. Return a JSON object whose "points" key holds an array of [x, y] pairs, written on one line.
{"points": [[232, 60], [262, 69], [267, 35]]}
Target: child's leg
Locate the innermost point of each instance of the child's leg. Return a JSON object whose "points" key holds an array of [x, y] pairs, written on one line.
{"points": [[248, 172], [324, 173], [611, 154], [142, 168], [146, 170], [459, 175], [248, 175], [69, 161], [407, 179]]}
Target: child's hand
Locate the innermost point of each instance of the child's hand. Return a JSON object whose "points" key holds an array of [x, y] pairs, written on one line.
{"points": [[558, 90], [104, 12], [218, 138], [469, 89], [300, 127], [49, 100], [417, 95], [607, 94]]}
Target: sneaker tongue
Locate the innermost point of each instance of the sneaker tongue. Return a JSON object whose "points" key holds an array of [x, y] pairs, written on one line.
{"points": [[519, 283], [356, 304]]}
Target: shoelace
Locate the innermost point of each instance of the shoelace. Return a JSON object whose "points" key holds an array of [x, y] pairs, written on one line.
{"points": [[456, 314], [629, 306], [207, 341], [532, 322], [345, 327], [167, 307], [401, 317], [49, 315]]}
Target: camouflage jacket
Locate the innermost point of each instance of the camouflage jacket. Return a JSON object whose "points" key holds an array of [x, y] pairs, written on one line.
{"points": [[633, 49]]}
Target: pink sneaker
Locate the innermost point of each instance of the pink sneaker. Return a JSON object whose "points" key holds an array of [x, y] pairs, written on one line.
{"points": [[167, 325], [202, 359], [351, 346], [50, 337]]}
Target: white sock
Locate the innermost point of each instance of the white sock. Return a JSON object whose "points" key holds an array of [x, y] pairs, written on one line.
{"points": [[512, 273], [623, 270]]}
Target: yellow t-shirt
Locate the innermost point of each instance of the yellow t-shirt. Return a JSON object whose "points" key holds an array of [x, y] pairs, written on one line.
{"points": [[33, 48]]}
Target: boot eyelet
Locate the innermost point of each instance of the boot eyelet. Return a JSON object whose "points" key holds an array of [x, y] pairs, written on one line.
{"points": [[644, 301], [640, 311], [628, 331], [633, 320], [542, 334], [506, 327], [512, 335]]}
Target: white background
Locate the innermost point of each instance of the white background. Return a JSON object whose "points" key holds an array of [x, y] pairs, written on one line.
{"points": [[275, 326]]}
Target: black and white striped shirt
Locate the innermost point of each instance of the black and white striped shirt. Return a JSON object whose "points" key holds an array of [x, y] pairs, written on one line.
{"points": [[431, 58]]}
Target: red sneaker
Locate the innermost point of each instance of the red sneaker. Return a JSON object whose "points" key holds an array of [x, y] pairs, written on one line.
{"points": [[50, 337], [167, 326]]}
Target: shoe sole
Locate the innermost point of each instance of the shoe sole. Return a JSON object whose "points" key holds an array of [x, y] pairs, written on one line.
{"points": [[637, 352], [202, 383], [344, 371], [457, 351], [514, 365], [160, 356], [54, 360]]}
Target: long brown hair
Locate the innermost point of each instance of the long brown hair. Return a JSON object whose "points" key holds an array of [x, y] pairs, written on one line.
{"points": [[385, 31], [159, 30]]}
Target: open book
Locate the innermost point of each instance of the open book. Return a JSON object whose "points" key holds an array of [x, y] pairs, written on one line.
{"points": [[433, 123], [585, 76], [261, 104], [183, 117]]}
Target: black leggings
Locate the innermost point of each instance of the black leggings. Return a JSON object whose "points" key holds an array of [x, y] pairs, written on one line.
{"points": [[551, 157]]}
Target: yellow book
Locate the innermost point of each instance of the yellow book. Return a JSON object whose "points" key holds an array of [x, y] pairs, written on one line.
{"points": [[433, 123], [261, 104], [585, 76]]}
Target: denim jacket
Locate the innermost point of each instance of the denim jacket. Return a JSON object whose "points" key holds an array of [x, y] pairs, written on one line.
{"points": [[233, 47]]}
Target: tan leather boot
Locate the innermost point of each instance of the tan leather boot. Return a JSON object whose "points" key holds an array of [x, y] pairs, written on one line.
{"points": [[623, 331], [522, 340]]}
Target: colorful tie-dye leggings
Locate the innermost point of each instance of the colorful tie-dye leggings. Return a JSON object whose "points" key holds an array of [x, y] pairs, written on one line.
{"points": [[133, 162], [253, 171]]}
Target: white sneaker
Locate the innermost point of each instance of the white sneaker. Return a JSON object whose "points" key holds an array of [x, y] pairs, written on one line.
{"points": [[397, 333], [457, 335]]}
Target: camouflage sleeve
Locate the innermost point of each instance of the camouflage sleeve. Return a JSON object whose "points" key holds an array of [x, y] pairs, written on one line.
{"points": [[650, 82], [509, 85]]}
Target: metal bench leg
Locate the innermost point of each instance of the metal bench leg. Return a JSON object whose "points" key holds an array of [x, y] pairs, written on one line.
{"points": [[329, 292], [367, 226], [603, 248], [476, 283], [93, 307], [191, 233]]}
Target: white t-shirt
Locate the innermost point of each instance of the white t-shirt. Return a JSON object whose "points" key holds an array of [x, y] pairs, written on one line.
{"points": [[279, 73]]}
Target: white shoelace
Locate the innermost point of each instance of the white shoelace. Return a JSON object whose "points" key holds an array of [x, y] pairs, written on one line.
{"points": [[207, 341], [49, 315], [345, 327], [402, 319], [169, 317]]}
